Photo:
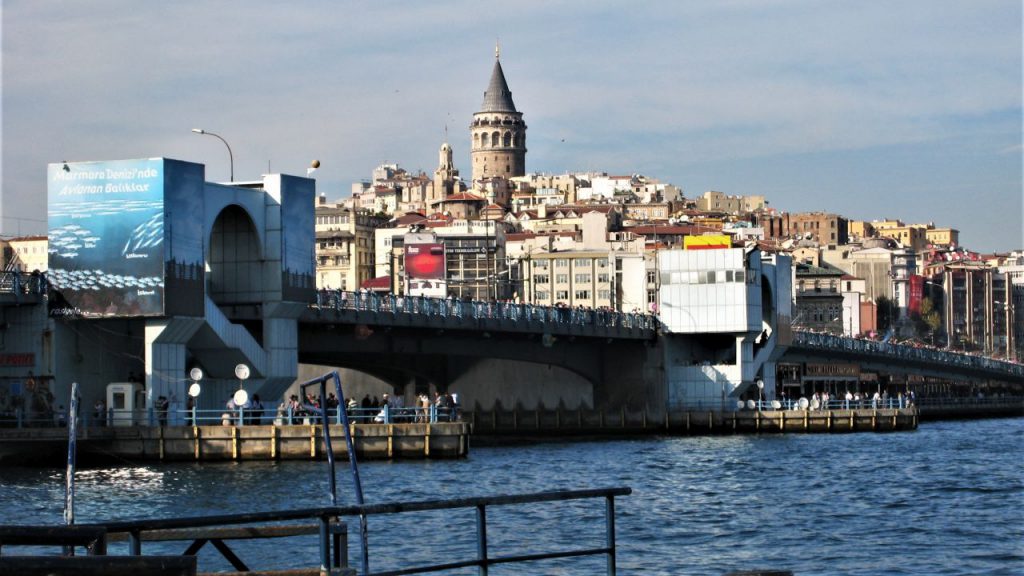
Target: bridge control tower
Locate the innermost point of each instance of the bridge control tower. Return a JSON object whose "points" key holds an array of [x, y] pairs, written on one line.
{"points": [[726, 316], [150, 262]]}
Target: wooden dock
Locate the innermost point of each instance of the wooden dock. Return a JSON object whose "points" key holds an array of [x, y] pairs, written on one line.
{"points": [[557, 422]]}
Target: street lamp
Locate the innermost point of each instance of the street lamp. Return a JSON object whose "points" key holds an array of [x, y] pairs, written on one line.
{"points": [[231, 157], [241, 396], [196, 374]]}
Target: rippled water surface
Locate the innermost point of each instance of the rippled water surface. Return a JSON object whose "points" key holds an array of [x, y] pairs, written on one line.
{"points": [[946, 499]]}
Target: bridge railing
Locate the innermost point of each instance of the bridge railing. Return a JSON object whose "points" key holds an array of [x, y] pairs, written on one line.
{"points": [[18, 282], [904, 352], [476, 309], [21, 418]]}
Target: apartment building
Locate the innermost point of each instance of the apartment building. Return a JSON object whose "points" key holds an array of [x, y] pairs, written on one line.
{"points": [[344, 245]]}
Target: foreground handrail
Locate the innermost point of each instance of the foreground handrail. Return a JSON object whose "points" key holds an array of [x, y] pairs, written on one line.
{"points": [[134, 528]]}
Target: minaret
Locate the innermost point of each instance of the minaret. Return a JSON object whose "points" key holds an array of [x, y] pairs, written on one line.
{"points": [[446, 175], [498, 132]]}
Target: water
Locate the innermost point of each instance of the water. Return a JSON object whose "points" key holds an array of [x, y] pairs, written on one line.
{"points": [[946, 499]]}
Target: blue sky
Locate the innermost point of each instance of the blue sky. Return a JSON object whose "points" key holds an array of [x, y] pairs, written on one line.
{"points": [[872, 109]]}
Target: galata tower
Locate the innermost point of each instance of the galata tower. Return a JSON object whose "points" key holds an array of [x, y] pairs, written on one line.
{"points": [[498, 131]]}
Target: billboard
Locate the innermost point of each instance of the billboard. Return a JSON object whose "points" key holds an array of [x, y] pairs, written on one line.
{"points": [[425, 270], [106, 236], [424, 261]]}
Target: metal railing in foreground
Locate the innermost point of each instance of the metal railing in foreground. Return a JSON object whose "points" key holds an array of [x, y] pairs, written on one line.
{"points": [[324, 516]]}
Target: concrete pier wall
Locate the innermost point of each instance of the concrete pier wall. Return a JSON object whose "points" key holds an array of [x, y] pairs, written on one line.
{"points": [[238, 443]]}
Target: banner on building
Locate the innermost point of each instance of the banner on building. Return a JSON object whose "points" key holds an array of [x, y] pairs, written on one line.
{"points": [[916, 293], [106, 236]]}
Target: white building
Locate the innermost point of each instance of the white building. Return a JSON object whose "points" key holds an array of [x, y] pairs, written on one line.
{"points": [[725, 314]]}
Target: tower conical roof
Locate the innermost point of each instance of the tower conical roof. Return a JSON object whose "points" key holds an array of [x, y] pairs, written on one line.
{"points": [[498, 98]]}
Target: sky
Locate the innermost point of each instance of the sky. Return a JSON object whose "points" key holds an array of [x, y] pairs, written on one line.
{"points": [[871, 109]]}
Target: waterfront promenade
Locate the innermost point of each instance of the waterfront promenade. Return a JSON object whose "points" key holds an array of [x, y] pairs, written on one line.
{"points": [[400, 436]]}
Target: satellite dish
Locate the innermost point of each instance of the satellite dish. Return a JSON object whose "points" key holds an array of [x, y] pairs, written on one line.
{"points": [[803, 403], [760, 384], [241, 397], [815, 404], [740, 404], [776, 405], [751, 404], [194, 389], [241, 372], [195, 374]]}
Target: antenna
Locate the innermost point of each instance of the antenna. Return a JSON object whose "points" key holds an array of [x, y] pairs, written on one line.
{"points": [[497, 49]]}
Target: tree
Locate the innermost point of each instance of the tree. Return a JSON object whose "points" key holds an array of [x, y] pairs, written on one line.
{"points": [[926, 320]]}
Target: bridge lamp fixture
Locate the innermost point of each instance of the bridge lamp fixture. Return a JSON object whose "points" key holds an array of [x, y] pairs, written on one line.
{"points": [[241, 396], [195, 374], [231, 157]]}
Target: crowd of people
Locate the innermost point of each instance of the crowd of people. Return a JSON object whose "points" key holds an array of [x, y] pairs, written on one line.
{"points": [[852, 400], [386, 409]]}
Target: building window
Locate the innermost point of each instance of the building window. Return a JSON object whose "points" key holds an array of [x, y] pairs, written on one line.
{"points": [[604, 294], [651, 277], [583, 295], [603, 278], [583, 262], [583, 278], [561, 295], [602, 262], [541, 279], [542, 295], [561, 263], [561, 278]]}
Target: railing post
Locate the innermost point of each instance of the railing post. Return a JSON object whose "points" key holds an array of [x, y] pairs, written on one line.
{"points": [[135, 543], [481, 539], [325, 545], [609, 531]]}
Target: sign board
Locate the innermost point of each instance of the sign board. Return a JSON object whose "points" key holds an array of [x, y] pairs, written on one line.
{"points": [[710, 242], [23, 359]]}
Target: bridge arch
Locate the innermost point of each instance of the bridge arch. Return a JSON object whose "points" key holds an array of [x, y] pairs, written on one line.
{"points": [[234, 259]]}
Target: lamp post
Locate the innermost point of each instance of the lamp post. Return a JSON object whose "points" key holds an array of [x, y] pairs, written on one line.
{"points": [[196, 374], [241, 396], [231, 157]]}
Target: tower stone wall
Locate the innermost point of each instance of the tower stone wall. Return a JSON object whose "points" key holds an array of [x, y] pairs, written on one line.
{"points": [[498, 133]]}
